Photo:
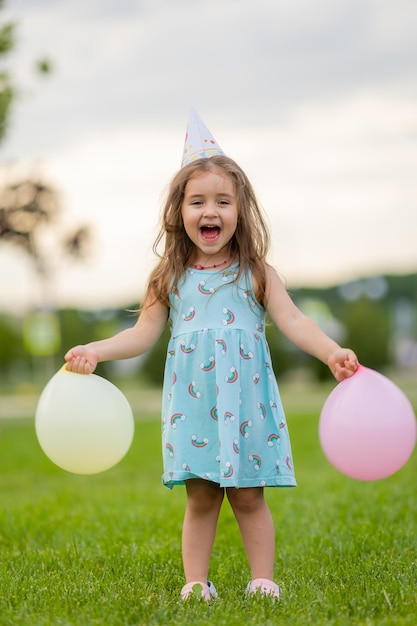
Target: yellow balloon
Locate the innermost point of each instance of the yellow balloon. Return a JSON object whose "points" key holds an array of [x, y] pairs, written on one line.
{"points": [[83, 423]]}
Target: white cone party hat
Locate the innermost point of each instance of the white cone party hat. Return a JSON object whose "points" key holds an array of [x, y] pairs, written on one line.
{"points": [[199, 142]]}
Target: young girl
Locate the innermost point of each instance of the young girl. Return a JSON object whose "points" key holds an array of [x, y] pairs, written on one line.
{"points": [[224, 429]]}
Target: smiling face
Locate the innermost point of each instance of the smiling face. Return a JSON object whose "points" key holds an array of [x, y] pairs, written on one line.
{"points": [[210, 212]]}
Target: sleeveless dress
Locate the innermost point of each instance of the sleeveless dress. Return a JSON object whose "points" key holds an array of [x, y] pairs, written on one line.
{"points": [[222, 416]]}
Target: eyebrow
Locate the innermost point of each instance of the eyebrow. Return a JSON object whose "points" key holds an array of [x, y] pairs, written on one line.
{"points": [[198, 195]]}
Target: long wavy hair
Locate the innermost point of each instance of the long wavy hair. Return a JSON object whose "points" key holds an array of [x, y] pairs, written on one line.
{"points": [[249, 244]]}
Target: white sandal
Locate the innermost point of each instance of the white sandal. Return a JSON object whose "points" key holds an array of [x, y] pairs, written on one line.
{"points": [[205, 591], [263, 586]]}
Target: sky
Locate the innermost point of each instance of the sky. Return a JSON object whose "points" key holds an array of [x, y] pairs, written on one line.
{"points": [[315, 99]]}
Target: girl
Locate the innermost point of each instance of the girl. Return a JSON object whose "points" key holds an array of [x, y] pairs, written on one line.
{"points": [[224, 429]]}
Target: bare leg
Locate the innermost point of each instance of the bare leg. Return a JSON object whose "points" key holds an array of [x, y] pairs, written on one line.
{"points": [[256, 527], [204, 500]]}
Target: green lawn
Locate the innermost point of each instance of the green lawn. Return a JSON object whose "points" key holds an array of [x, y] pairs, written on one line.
{"points": [[105, 549]]}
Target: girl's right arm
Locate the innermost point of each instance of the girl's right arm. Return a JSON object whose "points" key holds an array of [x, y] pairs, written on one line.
{"points": [[125, 345]]}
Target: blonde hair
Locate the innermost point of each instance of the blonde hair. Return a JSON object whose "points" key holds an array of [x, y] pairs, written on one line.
{"points": [[250, 242]]}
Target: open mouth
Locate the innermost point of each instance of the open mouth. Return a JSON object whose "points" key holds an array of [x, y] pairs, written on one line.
{"points": [[210, 233]]}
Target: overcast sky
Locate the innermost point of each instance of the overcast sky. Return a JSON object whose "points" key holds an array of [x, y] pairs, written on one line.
{"points": [[316, 99]]}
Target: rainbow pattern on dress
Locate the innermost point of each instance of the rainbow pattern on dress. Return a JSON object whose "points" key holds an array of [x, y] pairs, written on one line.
{"points": [[288, 463], [229, 417], [192, 390], [170, 449], [187, 349], [205, 291], [171, 353], [222, 344], [228, 472], [233, 376], [230, 317], [228, 274], [199, 443], [245, 355], [272, 438], [263, 410], [209, 366], [256, 378], [189, 316], [244, 428], [213, 414], [177, 417], [236, 446], [186, 467], [257, 459]]}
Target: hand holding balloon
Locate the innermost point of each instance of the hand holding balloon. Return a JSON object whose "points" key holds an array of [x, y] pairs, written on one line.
{"points": [[343, 363], [81, 359], [367, 426]]}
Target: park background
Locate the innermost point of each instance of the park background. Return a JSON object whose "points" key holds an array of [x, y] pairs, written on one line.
{"points": [[317, 101]]}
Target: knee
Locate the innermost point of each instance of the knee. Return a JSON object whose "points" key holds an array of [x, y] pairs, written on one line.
{"points": [[246, 500], [203, 496]]}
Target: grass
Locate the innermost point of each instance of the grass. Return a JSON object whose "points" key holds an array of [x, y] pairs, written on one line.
{"points": [[105, 549]]}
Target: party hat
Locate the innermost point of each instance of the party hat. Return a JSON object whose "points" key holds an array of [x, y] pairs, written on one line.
{"points": [[199, 142]]}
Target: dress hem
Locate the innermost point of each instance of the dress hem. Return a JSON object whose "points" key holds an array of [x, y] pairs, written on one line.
{"points": [[279, 481]]}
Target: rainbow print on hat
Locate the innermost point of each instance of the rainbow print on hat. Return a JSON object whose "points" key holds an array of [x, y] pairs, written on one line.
{"points": [[199, 142]]}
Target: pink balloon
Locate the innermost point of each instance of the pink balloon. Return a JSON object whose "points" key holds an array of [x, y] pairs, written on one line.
{"points": [[367, 426]]}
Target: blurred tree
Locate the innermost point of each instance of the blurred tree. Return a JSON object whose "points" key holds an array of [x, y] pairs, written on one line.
{"points": [[368, 332], [11, 349], [29, 210], [154, 361], [26, 208], [7, 32], [8, 90], [284, 355], [28, 205]]}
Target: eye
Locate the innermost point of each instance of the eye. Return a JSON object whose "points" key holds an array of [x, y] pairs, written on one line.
{"points": [[196, 203], [224, 202]]}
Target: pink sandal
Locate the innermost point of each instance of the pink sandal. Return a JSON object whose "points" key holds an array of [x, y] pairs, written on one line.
{"points": [[199, 590], [263, 586]]}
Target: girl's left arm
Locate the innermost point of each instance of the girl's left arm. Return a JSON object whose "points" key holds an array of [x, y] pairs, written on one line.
{"points": [[303, 332]]}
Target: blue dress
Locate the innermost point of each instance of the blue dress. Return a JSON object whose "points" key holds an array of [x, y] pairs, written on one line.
{"points": [[222, 416]]}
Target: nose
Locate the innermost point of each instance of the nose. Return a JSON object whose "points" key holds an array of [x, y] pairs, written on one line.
{"points": [[210, 208]]}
